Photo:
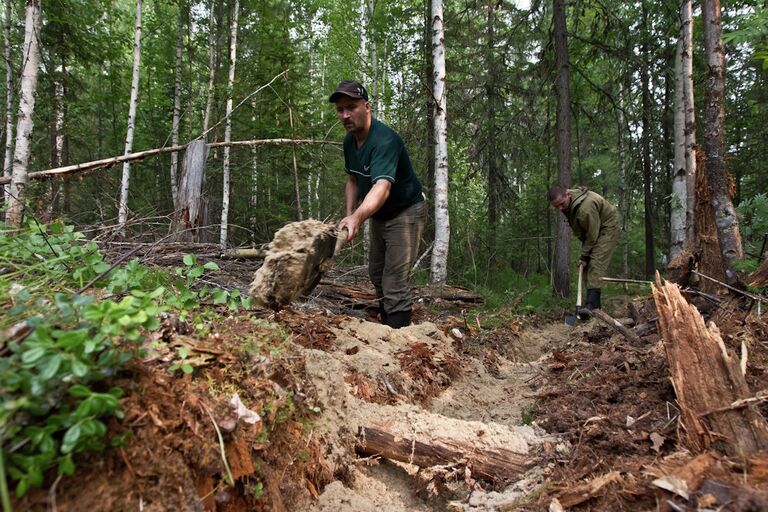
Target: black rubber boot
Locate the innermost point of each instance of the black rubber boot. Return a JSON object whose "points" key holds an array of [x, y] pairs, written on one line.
{"points": [[383, 314], [398, 319], [593, 298]]}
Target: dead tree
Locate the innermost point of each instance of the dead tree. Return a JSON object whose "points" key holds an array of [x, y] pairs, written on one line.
{"points": [[708, 381], [191, 214]]}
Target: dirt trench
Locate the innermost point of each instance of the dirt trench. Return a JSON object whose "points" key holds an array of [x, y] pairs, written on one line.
{"points": [[453, 391]]}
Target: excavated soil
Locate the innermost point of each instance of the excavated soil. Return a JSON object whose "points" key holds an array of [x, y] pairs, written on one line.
{"points": [[596, 416]]}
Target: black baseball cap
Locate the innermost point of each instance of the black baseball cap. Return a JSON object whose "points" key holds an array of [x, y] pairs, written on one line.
{"points": [[349, 88]]}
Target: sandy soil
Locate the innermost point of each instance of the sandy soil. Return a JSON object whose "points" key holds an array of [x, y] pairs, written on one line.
{"points": [[482, 407]]}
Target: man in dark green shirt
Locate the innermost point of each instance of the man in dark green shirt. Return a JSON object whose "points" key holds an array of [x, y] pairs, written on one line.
{"points": [[381, 185]]}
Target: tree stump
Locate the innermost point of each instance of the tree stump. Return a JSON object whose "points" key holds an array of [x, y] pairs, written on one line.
{"points": [[707, 379], [189, 219]]}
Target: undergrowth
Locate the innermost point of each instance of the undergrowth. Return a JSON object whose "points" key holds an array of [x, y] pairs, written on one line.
{"points": [[62, 339]]}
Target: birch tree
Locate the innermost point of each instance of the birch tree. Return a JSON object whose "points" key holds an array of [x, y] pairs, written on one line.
{"points": [[122, 214], [228, 127], [8, 159], [684, 180], [561, 282], [177, 108], [726, 219], [24, 126], [211, 67], [439, 265]]}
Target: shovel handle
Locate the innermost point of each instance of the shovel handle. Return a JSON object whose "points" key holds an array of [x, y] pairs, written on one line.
{"points": [[341, 237], [578, 294]]}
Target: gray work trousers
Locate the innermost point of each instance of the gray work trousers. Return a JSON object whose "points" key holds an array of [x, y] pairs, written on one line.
{"points": [[394, 249]]}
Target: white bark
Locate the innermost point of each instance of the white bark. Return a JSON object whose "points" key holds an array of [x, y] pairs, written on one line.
{"points": [[228, 128], [373, 59], [177, 110], [122, 214], [211, 68], [678, 201], [439, 265], [29, 70], [686, 22], [8, 159], [623, 185]]}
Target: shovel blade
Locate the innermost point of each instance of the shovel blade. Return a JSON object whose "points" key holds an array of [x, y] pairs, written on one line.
{"points": [[570, 320]]}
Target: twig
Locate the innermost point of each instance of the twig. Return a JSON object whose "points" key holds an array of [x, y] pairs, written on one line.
{"points": [[52, 493], [733, 289], [427, 251], [230, 478], [738, 404]]}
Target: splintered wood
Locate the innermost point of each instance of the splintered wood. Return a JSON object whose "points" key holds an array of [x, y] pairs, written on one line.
{"points": [[297, 258], [706, 378]]}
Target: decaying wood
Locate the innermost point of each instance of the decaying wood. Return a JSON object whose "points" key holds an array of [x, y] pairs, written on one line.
{"points": [[707, 379], [191, 214], [616, 325], [105, 163], [245, 253], [491, 465]]}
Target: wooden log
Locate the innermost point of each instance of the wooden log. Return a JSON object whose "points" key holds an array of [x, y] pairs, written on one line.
{"points": [[707, 379], [616, 325], [485, 464]]}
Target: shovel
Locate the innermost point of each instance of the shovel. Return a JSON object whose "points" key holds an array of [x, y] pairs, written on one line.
{"points": [[571, 319]]}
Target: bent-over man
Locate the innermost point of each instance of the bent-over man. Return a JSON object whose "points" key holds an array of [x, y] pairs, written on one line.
{"points": [[595, 222], [382, 186]]}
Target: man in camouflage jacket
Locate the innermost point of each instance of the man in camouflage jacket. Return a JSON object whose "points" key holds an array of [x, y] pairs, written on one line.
{"points": [[595, 222]]}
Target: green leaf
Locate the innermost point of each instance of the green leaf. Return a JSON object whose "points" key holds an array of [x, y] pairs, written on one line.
{"points": [[195, 272], [187, 368], [220, 297], [50, 367], [79, 391], [22, 487], [66, 466], [79, 369], [211, 266], [70, 438], [189, 259], [32, 355], [183, 352]]}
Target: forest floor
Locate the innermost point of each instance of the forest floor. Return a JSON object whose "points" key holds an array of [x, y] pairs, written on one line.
{"points": [[593, 416]]}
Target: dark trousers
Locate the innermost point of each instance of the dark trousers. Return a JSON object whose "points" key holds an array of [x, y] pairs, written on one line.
{"points": [[394, 249]]}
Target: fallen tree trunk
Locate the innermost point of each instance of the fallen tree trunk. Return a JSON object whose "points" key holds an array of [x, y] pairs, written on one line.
{"points": [[707, 379], [616, 325], [486, 464], [104, 163]]}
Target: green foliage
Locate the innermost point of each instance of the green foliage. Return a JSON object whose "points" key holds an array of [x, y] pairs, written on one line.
{"points": [[752, 28], [753, 214], [55, 400]]}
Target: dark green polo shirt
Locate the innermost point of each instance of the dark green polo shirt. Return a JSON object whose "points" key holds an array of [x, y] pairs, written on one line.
{"points": [[383, 156]]}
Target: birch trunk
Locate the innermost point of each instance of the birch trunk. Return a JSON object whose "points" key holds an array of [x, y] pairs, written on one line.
{"points": [[439, 264], [296, 187], [30, 59], [726, 219], [650, 260], [122, 215], [562, 283], [686, 20], [57, 146], [211, 67], [8, 159], [678, 201], [177, 109], [623, 185], [374, 60], [228, 128]]}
